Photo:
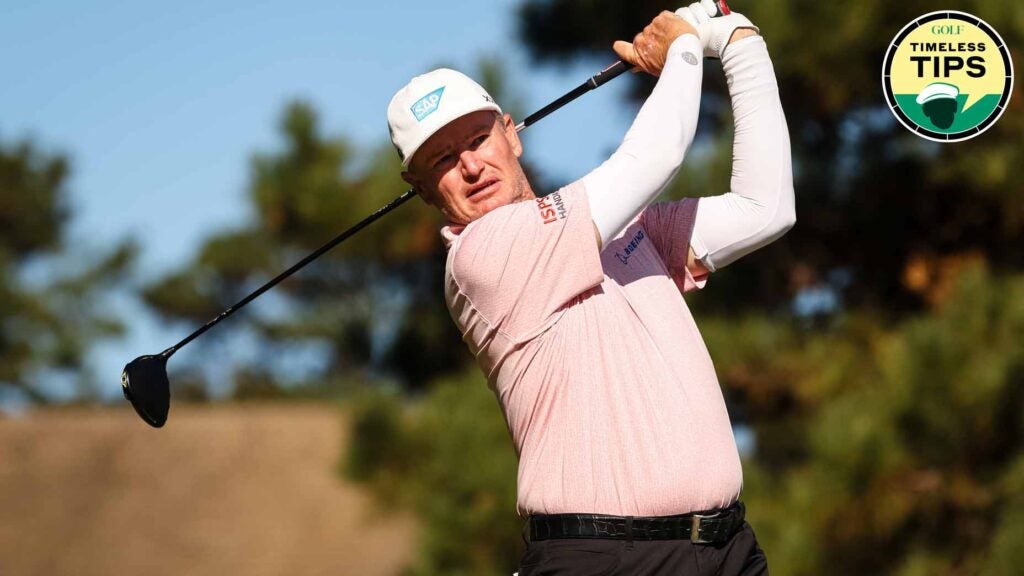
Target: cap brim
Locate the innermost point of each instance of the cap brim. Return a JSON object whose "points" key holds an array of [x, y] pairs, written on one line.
{"points": [[931, 97]]}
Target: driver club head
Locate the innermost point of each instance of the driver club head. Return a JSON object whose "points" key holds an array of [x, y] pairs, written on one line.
{"points": [[144, 383]]}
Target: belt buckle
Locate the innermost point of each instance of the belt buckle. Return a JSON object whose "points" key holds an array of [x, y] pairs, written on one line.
{"points": [[695, 536]]}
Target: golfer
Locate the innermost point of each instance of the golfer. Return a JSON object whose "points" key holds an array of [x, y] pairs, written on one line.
{"points": [[572, 303]]}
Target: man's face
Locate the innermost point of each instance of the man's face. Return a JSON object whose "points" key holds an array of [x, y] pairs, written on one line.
{"points": [[470, 167]]}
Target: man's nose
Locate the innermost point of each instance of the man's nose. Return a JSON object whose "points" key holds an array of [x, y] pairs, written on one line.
{"points": [[471, 164]]}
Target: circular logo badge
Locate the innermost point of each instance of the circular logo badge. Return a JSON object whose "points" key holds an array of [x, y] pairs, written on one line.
{"points": [[947, 76]]}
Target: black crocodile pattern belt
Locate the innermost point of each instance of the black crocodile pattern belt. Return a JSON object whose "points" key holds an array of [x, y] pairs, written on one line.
{"points": [[701, 528]]}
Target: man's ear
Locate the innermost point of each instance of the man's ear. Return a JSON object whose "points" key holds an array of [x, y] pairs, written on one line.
{"points": [[510, 133], [411, 180]]}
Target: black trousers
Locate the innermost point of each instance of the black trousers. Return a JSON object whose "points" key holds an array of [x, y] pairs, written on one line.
{"points": [[740, 556]]}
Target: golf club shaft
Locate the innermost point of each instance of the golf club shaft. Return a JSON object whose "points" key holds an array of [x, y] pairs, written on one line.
{"points": [[293, 269], [594, 81]]}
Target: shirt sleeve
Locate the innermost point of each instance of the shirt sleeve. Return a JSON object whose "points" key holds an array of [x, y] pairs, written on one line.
{"points": [[670, 227], [521, 264]]}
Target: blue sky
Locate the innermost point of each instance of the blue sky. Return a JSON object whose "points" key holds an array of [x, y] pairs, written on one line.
{"points": [[160, 105]]}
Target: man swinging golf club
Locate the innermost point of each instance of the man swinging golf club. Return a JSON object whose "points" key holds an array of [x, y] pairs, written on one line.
{"points": [[572, 303]]}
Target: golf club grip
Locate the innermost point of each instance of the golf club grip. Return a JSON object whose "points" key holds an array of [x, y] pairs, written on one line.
{"points": [[619, 67], [594, 81], [597, 80], [609, 73]]}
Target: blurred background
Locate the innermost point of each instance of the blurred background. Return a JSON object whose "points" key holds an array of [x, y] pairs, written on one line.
{"points": [[159, 162]]}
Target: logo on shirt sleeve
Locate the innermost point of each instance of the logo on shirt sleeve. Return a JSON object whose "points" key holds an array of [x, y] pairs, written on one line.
{"points": [[551, 208]]}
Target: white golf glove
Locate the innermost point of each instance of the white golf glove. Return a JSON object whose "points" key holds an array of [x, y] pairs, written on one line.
{"points": [[714, 32]]}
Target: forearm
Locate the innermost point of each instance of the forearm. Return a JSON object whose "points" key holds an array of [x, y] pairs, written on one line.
{"points": [[654, 147], [760, 207]]}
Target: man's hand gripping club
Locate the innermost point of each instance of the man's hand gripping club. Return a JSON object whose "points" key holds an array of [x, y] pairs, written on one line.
{"points": [[649, 48]]}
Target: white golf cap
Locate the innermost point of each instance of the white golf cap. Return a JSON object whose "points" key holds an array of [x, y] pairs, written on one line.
{"points": [[937, 90], [428, 103]]}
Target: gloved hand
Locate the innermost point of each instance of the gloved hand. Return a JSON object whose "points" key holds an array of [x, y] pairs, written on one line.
{"points": [[714, 32]]}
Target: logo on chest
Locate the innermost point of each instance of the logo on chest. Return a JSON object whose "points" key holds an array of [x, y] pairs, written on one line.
{"points": [[631, 248]]}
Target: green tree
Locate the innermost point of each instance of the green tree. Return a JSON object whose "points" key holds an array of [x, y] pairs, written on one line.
{"points": [[887, 451], [447, 456], [51, 297]]}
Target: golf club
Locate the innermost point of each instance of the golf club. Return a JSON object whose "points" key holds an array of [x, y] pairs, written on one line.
{"points": [[144, 380]]}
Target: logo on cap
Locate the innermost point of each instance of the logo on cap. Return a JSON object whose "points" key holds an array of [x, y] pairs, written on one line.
{"points": [[427, 105], [947, 76]]}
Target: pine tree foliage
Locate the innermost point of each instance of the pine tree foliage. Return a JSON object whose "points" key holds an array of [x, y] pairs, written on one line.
{"points": [[52, 305]]}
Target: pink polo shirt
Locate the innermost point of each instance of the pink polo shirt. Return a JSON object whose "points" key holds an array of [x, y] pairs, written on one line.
{"points": [[608, 390]]}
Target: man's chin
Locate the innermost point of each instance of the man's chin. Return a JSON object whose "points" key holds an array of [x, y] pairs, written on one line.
{"points": [[487, 205]]}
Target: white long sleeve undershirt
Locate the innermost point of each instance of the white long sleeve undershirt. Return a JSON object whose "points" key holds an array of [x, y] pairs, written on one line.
{"points": [[655, 145], [760, 207]]}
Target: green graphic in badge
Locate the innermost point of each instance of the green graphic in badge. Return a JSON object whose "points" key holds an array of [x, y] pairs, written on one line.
{"points": [[947, 76], [938, 102]]}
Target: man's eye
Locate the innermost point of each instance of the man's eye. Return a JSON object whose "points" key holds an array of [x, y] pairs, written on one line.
{"points": [[479, 140], [443, 161]]}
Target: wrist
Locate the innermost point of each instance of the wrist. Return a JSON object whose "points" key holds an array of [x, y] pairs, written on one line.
{"points": [[686, 42], [741, 33], [742, 50]]}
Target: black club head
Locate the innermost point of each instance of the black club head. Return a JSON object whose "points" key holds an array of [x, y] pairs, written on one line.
{"points": [[145, 385]]}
